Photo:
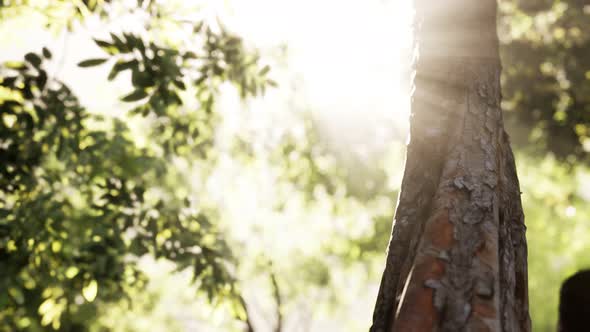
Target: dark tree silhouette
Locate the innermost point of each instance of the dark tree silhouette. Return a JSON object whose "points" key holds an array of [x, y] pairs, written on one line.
{"points": [[574, 303]]}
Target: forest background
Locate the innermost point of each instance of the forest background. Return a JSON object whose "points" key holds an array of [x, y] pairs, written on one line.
{"points": [[214, 165]]}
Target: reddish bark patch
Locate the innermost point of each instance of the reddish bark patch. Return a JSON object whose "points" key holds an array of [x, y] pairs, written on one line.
{"points": [[439, 231], [484, 308], [417, 311], [488, 252]]}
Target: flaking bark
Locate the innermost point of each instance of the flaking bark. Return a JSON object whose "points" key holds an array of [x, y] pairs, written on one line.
{"points": [[457, 255]]}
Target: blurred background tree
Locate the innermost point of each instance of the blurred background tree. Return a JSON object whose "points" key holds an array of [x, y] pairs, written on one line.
{"points": [[546, 82], [546, 73], [154, 177], [80, 204]]}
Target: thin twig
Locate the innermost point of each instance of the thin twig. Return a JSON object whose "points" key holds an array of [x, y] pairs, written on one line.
{"points": [[249, 326], [277, 296]]}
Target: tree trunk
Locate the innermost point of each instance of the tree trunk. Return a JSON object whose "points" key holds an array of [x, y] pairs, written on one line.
{"points": [[457, 257]]}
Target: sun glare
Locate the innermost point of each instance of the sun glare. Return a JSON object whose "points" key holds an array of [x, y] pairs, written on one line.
{"points": [[350, 59], [347, 61]]}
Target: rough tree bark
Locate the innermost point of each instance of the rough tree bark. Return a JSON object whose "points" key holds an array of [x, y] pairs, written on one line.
{"points": [[457, 258]]}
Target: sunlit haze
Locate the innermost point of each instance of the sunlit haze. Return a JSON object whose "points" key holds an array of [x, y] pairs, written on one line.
{"points": [[344, 62], [348, 59], [235, 165]]}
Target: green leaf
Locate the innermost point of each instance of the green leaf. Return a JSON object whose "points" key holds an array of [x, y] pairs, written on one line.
{"points": [[106, 46], [119, 43], [16, 65], [3, 300], [71, 272], [198, 27], [239, 311], [8, 81], [33, 59], [175, 98], [190, 55], [113, 73], [264, 70], [91, 62], [135, 95], [90, 291], [120, 66], [17, 295], [141, 78], [42, 79], [102, 43], [46, 53], [201, 79], [179, 84], [134, 41]]}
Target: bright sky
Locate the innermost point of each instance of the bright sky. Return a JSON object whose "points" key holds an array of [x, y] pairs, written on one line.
{"points": [[351, 58], [347, 57]]}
